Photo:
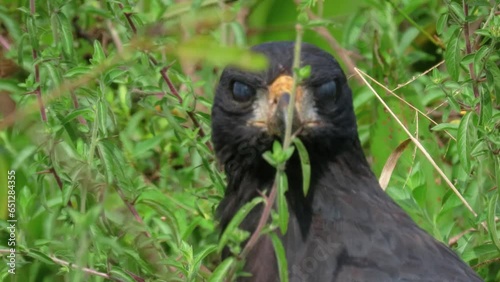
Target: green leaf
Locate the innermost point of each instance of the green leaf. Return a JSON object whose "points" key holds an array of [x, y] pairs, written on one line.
{"points": [[482, 251], [40, 257], [20, 49], [304, 72], [279, 250], [239, 34], [146, 145], [457, 10], [268, 156], [102, 111], [452, 55], [441, 23], [237, 220], [492, 207], [445, 126], [113, 74], [99, 55], [120, 275], [75, 113], [493, 75], [463, 142], [53, 73], [111, 161], [198, 258], [277, 149], [282, 203], [221, 272], [305, 164], [32, 33], [66, 35], [486, 107], [478, 58], [77, 71]]}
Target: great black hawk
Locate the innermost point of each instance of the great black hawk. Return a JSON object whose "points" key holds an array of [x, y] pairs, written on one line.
{"points": [[346, 228]]}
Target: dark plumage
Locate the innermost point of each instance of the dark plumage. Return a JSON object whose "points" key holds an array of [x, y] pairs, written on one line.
{"points": [[347, 228]]}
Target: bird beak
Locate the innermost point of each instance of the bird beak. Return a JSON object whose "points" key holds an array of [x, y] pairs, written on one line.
{"points": [[279, 101]]}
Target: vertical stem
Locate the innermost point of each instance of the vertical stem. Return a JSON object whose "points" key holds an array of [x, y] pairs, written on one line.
{"points": [[291, 105], [38, 91]]}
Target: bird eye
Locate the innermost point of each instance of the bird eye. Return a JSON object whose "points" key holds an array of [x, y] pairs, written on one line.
{"points": [[327, 90], [242, 92]]}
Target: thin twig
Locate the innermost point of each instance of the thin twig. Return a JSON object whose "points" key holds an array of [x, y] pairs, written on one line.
{"points": [[419, 145], [269, 201], [485, 262], [191, 114], [409, 105], [132, 209], [128, 16], [418, 76], [53, 171], [76, 105], [4, 42], [84, 269]]}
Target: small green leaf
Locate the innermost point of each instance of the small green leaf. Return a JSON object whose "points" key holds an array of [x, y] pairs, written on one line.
{"points": [[74, 114], [478, 58], [53, 73], [463, 142], [279, 250], [268, 156], [282, 203], [239, 34], [39, 256], [20, 48], [486, 107], [146, 145], [102, 116], [99, 54], [198, 258], [288, 153], [221, 272], [445, 126], [237, 220], [441, 23], [113, 74], [305, 165], [457, 10], [277, 147], [304, 72], [452, 55], [77, 71], [493, 75], [32, 33], [66, 34], [492, 207]]}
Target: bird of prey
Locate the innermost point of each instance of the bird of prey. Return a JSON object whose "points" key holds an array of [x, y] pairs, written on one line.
{"points": [[346, 228]]}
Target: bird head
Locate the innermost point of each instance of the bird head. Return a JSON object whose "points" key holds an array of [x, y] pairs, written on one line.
{"points": [[250, 108]]}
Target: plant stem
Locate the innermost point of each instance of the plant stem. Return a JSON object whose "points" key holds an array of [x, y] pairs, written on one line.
{"points": [[38, 91], [468, 49]]}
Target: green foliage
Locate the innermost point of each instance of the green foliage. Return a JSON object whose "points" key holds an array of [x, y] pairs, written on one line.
{"points": [[115, 177]]}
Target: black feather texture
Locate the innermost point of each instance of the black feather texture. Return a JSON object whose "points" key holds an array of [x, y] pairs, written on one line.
{"points": [[347, 228]]}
